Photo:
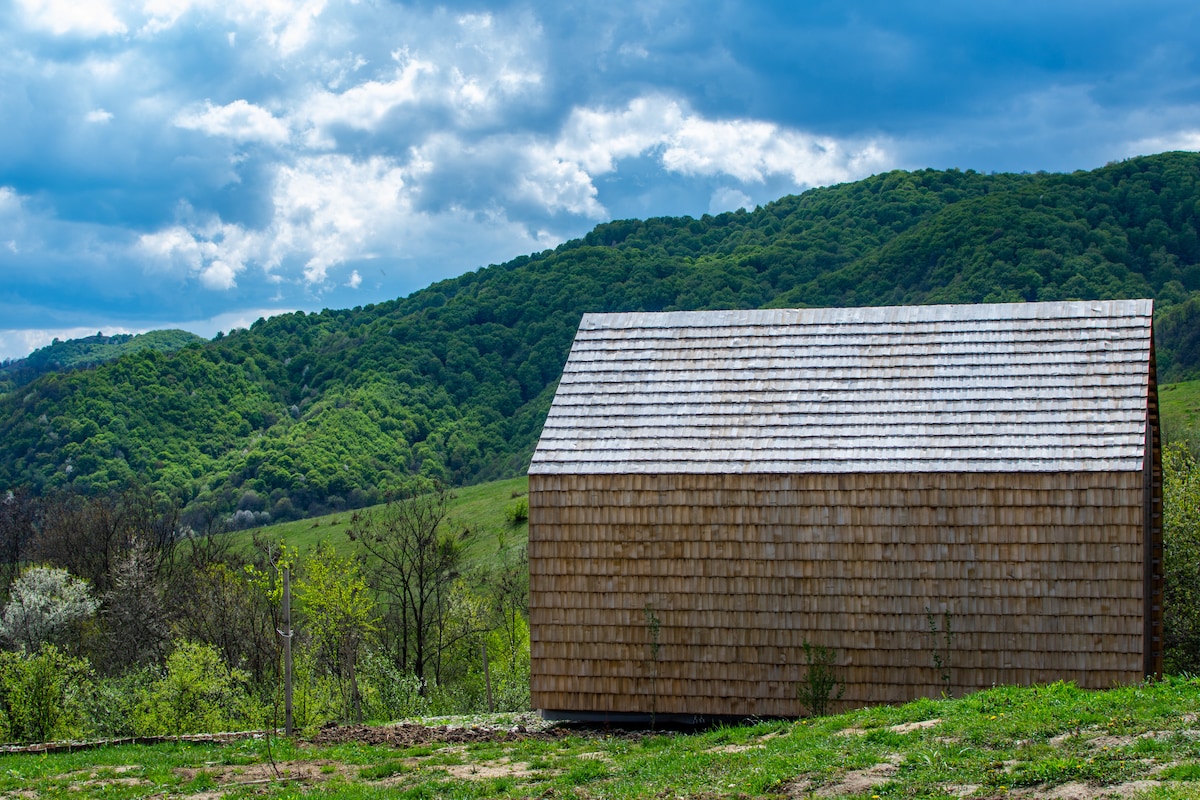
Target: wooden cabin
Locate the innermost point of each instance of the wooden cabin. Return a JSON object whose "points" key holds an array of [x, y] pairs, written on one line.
{"points": [[947, 497]]}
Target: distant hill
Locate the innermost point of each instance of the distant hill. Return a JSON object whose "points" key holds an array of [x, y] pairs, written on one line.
{"points": [[89, 351], [304, 413]]}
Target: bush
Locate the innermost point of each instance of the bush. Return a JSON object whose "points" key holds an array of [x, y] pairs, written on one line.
{"points": [[316, 698], [44, 604], [110, 706], [199, 693], [816, 691], [517, 511], [41, 696], [388, 692]]}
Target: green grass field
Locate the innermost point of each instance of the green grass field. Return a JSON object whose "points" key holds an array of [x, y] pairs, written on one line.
{"points": [[479, 510], [1046, 741], [1179, 410]]}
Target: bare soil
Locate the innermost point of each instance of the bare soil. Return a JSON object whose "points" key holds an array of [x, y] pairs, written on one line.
{"points": [[409, 734]]}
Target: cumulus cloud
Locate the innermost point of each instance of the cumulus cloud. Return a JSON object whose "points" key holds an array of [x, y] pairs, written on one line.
{"points": [[1176, 140], [594, 141], [327, 210], [98, 115], [239, 120], [364, 106], [728, 198], [750, 151], [469, 75], [212, 251], [330, 210], [91, 19]]}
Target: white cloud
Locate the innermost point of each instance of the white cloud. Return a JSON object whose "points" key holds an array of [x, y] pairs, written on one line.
{"points": [[728, 198], [327, 210], [98, 115], [751, 151], [333, 208], [555, 185], [10, 201], [214, 252], [330, 209], [288, 26], [239, 120], [219, 275], [1179, 140], [91, 18], [364, 106], [593, 141], [473, 73], [596, 138], [747, 150]]}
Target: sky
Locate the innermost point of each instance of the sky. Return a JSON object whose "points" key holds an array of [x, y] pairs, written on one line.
{"points": [[198, 164]]}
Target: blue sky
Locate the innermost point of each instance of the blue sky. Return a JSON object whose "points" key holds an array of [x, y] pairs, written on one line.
{"points": [[201, 163]]}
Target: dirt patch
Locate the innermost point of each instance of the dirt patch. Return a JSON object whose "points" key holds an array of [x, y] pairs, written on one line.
{"points": [[226, 777], [856, 781], [490, 769], [753, 744], [733, 748], [908, 727], [103, 782], [409, 735], [1083, 791]]}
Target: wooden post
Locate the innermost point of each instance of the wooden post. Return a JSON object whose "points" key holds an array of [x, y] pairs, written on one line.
{"points": [[287, 651], [487, 678]]}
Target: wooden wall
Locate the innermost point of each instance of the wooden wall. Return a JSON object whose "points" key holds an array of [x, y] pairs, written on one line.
{"points": [[1041, 575]]}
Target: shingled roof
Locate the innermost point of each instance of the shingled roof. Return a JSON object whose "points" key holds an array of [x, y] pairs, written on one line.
{"points": [[975, 388]]}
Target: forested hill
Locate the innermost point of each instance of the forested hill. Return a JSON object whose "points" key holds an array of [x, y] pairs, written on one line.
{"points": [[87, 352], [307, 412]]}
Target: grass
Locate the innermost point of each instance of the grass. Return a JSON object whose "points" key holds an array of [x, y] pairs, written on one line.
{"points": [[1179, 410], [479, 509], [1057, 740]]}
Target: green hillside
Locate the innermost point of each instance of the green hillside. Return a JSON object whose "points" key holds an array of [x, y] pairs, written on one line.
{"points": [[313, 413], [60, 356]]}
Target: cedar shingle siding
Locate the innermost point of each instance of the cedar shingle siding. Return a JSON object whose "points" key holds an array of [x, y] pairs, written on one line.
{"points": [[756, 479]]}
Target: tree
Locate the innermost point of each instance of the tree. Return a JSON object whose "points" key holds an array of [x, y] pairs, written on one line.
{"points": [[19, 513], [44, 604], [339, 611], [89, 535], [137, 631], [412, 562]]}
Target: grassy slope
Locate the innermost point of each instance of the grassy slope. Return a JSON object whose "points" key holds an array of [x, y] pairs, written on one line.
{"points": [[478, 509], [1046, 741], [1179, 409]]}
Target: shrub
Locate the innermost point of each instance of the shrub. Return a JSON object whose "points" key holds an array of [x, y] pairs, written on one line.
{"points": [[198, 693], [389, 693], [41, 695], [316, 698], [517, 511], [816, 691], [44, 603], [110, 706]]}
